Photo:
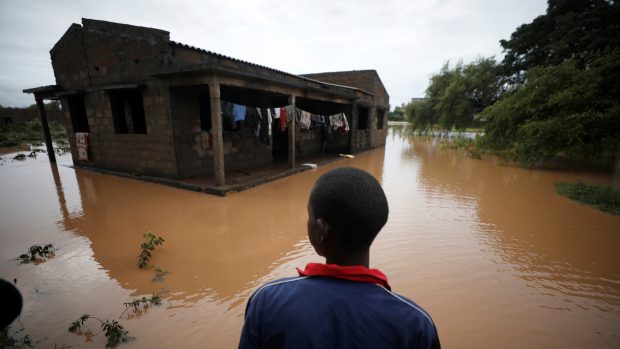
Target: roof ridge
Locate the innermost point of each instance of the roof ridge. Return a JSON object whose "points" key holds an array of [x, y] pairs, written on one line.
{"points": [[198, 49]]}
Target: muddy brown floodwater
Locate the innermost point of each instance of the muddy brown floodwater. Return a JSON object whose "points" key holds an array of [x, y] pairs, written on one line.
{"points": [[491, 251]]}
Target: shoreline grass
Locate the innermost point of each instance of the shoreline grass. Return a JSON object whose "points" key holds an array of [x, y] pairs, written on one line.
{"points": [[602, 197]]}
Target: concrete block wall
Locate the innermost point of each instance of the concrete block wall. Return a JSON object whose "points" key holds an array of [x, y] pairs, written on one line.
{"points": [[308, 142], [360, 140], [100, 53], [242, 149], [150, 154], [194, 156], [367, 80]]}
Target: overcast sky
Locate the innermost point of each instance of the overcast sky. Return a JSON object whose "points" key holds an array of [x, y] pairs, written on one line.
{"points": [[404, 40]]}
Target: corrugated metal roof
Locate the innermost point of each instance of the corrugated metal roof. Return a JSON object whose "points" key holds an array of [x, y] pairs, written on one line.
{"points": [[215, 54]]}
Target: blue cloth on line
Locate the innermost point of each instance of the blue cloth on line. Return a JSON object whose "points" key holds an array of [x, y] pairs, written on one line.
{"points": [[238, 112]]}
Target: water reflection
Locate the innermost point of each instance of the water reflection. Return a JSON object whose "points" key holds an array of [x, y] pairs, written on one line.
{"points": [[522, 219], [502, 242], [215, 247], [490, 250]]}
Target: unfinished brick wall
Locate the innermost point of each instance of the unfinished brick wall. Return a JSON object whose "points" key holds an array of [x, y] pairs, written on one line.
{"points": [[151, 153], [367, 80], [99, 54], [242, 149], [99, 59]]}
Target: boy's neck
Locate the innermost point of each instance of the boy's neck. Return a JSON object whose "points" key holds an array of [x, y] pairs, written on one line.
{"points": [[350, 259]]}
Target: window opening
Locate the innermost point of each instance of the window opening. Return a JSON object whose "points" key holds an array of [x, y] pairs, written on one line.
{"points": [[380, 116], [362, 118], [128, 111], [77, 110]]}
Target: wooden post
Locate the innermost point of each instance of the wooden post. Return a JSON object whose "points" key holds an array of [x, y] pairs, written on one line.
{"points": [[291, 134], [46, 129], [216, 129], [62, 202]]}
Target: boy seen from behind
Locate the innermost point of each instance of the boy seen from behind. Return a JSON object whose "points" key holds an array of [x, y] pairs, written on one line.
{"points": [[342, 303]]}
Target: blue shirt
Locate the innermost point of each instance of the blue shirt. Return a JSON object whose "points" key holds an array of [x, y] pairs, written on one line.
{"points": [[321, 312]]}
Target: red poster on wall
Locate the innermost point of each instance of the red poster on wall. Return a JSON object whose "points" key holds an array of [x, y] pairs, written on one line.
{"points": [[81, 141]]}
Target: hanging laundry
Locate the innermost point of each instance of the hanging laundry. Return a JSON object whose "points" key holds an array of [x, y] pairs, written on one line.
{"points": [[305, 121], [339, 122], [252, 120], [346, 122], [317, 121], [269, 120], [263, 133], [238, 111], [283, 118]]}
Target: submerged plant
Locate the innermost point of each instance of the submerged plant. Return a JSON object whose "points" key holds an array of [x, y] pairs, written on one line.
{"points": [[7, 340], [159, 274], [152, 240], [114, 332], [143, 302], [37, 253]]}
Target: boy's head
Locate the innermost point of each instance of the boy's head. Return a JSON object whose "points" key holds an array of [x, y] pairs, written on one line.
{"points": [[349, 205]]}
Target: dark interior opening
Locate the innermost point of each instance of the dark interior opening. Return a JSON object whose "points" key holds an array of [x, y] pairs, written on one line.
{"points": [[128, 111], [318, 107], [77, 110], [252, 97], [380, 117], [279, 146], [362, 118]]}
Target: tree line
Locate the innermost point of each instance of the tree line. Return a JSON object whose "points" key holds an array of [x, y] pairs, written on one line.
{"points": [[557, 89]]}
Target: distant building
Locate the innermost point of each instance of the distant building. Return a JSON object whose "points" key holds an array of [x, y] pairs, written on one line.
{"points": [[157, 107]]}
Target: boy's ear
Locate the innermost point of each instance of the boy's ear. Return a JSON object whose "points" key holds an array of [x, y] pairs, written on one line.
{"points": [[323, 228]]}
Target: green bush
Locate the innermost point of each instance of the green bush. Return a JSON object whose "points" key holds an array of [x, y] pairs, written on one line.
{"points": [[603, 197]]}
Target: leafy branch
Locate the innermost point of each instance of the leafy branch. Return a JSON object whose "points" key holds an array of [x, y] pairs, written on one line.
{"points": [[113, 331], [37, 253], [144, 302], [148, 246], [6, 340]]}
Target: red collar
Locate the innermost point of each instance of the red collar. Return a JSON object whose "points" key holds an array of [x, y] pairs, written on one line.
{"points": [[353, 273]]}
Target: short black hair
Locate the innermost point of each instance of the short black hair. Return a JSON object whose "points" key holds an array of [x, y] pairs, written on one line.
{"points": [[353, 203]]}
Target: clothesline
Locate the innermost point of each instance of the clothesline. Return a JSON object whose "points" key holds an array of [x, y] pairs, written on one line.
{"points": [[260, 120]]}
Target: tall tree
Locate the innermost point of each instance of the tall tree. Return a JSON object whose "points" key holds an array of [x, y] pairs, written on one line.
{"points": [[570, 29], [561, 109], [456, 95]]}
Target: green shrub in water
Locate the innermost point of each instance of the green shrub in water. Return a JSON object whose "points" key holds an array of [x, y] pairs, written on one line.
{"points": [[603, 197]]}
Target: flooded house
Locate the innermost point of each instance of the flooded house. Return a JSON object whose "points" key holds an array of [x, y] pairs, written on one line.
{"points": [[136, 102]]}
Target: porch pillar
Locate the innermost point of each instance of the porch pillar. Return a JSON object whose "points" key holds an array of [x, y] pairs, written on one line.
{"points": [[46, 129], [372, 119], [216, 129], [353, 127], [291, 134]]}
